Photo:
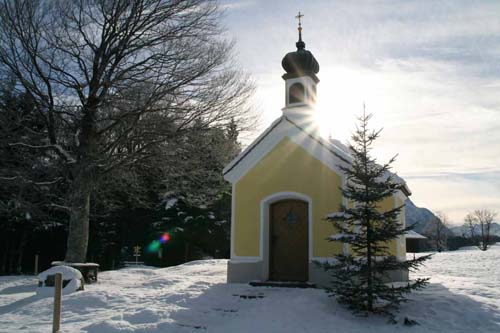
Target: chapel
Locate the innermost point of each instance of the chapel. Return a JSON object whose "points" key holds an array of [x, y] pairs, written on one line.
{"points": [[285, 183]]}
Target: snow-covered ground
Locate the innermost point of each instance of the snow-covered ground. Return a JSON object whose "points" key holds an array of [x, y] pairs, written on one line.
{"points": [[464, 296]]}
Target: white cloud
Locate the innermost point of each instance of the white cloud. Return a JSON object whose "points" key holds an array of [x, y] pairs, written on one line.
{"points": [[232, 5]]}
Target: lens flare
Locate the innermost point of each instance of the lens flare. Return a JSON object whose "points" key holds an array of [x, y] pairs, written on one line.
{"points": [[154, 246], [164, 238]]}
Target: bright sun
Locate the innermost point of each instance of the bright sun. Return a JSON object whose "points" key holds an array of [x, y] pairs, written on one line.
{"points": [[341, 95]]}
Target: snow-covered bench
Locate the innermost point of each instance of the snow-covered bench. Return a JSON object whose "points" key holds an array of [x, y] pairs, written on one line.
{"points": [[72, 280], [88, 270]]}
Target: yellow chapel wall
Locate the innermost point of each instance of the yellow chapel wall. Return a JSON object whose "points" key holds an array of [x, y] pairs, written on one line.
{"points": [[287, 168], [386, 205], [402, 220], [290, 168]]}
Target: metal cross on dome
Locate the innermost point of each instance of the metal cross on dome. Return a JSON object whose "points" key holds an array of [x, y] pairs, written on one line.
{"points": [[299, 17]]}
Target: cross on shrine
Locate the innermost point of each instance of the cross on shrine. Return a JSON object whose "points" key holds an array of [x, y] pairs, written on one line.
{"points": [[137, 254], [299, 16]]}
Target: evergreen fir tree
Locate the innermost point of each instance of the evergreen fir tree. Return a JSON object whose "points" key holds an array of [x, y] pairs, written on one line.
{"points": [[360, 277]]}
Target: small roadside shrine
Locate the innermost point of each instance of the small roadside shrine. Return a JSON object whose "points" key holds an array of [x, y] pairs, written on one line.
{"points": [[285, 183], [415, 242]]}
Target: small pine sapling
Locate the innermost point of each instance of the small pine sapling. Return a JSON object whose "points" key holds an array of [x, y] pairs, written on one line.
{"points": [[360, 278]]}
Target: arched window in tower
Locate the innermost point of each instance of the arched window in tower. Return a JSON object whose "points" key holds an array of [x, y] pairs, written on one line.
{"points": [[296, 93]]}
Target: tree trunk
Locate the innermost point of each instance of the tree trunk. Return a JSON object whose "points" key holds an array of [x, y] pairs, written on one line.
{"points": [[20, 251], [11, 268], [78, 233], [5, 257], [483, 245], [84, 175], [369, 266], [487, 237], [186, 252]]}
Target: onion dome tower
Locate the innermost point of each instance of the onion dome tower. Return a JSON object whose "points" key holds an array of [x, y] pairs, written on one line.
{"points": [[300, 81]]}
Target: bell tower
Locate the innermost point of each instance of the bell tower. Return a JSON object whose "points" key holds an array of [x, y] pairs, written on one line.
{"points": [[300, 82]]}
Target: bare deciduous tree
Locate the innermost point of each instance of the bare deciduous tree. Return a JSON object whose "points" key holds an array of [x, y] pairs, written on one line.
{"points": [[437, 231], [470, 225], [441, 230], [115, 81], [480, 219]]}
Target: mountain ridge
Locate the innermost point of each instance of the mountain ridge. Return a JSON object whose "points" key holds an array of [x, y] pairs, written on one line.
{"points": [[421, 218]]}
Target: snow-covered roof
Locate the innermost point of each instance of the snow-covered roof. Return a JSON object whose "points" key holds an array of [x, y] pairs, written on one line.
{"points": [[284, 126], [414, 235], [342, 147], [250, 147]]}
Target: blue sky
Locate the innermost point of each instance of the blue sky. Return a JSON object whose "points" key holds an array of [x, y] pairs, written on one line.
{"points": [[429, 71]]}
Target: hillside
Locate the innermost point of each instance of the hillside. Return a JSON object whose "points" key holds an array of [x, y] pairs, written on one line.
{"points": [[417, 216], [420, 217]]}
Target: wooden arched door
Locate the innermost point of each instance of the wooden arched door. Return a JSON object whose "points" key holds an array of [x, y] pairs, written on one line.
{"points": [[289, 241]]}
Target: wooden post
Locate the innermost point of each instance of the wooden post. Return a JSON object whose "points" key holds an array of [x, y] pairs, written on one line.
{"points": [[160, 253], [137, 254], [36, 265], [56, 321]]}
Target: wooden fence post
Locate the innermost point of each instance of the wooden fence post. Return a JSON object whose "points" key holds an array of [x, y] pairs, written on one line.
{"points": [[56, 322]]}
